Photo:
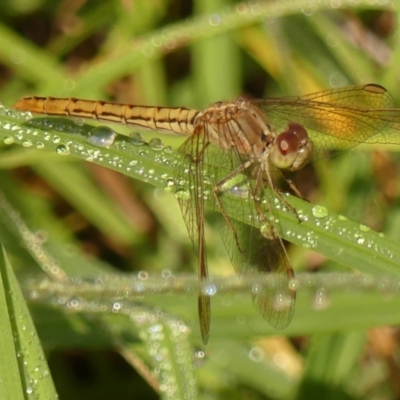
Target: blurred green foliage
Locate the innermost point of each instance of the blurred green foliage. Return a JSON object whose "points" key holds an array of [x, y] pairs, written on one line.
{"points": [[84, 220]]}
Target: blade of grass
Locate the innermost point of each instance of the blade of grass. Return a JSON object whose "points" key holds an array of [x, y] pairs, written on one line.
{"points": [[343, 241], [23, 369]]}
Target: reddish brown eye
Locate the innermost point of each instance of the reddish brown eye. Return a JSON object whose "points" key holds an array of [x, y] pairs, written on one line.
{"points": [[292, 148], [288, 142], [298, 130]]}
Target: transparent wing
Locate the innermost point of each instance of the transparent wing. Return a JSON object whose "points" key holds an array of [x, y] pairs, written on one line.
{"points": [[338, 119], [250, 251], [190, 165]]}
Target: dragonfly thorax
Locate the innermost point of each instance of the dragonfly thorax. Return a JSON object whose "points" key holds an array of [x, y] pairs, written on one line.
{"points": [[238, 125]]}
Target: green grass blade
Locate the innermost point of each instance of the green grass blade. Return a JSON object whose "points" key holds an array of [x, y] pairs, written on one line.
{"points": [[23, 368], [344, 241]]}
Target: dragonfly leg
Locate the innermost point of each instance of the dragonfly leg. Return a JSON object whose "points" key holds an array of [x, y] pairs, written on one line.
{"points": [[217, 190]]}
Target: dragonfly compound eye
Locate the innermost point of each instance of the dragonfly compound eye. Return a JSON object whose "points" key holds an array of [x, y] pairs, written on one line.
{"points": [[292, 148]]}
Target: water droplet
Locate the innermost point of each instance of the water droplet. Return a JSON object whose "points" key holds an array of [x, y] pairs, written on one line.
{"points": [[62, 149], [27, 143], [266, 231], [79, 121], [182, 194], [56, 139], [256, 354], [342, 218], [143, 275], [215, 20], [8, 140], [282, 300], [169, 184], [294, 284], [199, 354], [321, 299], [102, 136], [166, 273], [210, 290], [360, 240], [319, 211], [40, 145], [156, 144], [137, 139], [364, 228]]}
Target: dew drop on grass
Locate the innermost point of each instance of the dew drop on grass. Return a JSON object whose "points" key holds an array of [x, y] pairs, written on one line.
{"points": [[321, 299], [256, 354], [182, 194], [137, 139], [143, 275], [102, 136], [319, 211], [27, 143], [62, 149], [156, 144], [8, 140], [364, 228], [282, 300], [210, 290]]}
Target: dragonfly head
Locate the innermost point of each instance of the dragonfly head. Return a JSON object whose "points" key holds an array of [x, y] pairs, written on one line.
{"points": [[292, 149]]}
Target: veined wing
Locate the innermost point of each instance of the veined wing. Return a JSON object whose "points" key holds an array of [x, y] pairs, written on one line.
{"points": [[190, 166], [251, 252], [338, 119]]}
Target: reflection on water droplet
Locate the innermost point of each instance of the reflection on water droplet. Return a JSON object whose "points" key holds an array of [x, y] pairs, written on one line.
{"points": [[294, 284], [321, 299], [136, 139], [156, 144], [215, 20], [8, 140], [62, 149], [166, 273], [342, 218], [319, 211], [256, 354], [143, 275], [282, 301], [256, 288], [199, 354], [182, 194], [360, 240], [210, 290], [169, 184], [79, 121], [101, 136], [266, 231], [364, 228], [27, 143]]}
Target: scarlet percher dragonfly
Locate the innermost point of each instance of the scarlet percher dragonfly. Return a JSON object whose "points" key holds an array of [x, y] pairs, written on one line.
{"points": [[229, 154]]}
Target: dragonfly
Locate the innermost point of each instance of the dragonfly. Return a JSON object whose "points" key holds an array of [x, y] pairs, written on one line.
{"points": [[229, 158]]}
